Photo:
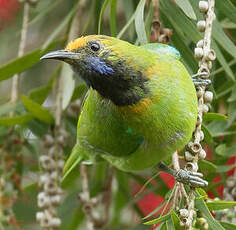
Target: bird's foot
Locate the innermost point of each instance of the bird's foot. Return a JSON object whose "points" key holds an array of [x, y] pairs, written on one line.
{"points": [[198, 81], [193, 179]]}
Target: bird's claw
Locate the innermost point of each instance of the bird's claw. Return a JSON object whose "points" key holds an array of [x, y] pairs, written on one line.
{"points": [[198, 81], [192, 178]]}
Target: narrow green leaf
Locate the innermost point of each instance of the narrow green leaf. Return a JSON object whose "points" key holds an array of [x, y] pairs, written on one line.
{"points": [[155, 210], [16, 120], [37, 110], [231, 113], [228, 226], [60, 27], [223, 40], [41, 93], [79, 91], [224, 168], [139, 22], [175, 220], [227, 8], [233, 95], [201, 206], [158, 220], [220, 57], [113, 18], [8, 107], [43, 12], [202, 193], [104, 6], [68, 85], [225, 151], [179, 20], [132, 18], [19, 65], [187, 8], [207, 134], [214, 117], [169, 224], [207, 166], [220, 204]]}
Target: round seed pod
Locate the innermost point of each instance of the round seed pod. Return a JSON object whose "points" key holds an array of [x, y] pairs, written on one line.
{"points": [[43, 200], [203, 6], [188, 156], [191, 166], [205, 108], [55, 222], [195, 148], [200, 44], [201, 25], [204, 69], [40, 216], [56, 199], [47, 162], [211, 55], [208, 96], [183, 213], [50, 187], [48, 141], [198, 53], [202, 154]]}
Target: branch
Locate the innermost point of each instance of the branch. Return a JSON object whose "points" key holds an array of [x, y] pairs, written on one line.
{"points": [[15, 81], [205, 55]]}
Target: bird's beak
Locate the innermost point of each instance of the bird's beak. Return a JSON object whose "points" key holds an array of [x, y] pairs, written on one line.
{"points": [[62, 55]]}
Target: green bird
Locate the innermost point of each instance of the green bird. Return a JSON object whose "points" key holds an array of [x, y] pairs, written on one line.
{"points": [[140, 108]]}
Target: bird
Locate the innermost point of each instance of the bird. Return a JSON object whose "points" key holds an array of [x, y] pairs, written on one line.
{"points": [[141, 104]]}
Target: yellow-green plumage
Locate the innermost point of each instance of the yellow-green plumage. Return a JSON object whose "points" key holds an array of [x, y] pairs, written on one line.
{"points": [[157, 114]]}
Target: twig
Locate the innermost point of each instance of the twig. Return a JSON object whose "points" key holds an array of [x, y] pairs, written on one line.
{"points": [[15, 81], [205, 56], [94, 220]]}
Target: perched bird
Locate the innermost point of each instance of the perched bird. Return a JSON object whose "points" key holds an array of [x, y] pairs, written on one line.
{"points": [[141, 105]]}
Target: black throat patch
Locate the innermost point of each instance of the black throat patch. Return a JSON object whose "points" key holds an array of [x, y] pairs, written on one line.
{"points": [[115, 81]]}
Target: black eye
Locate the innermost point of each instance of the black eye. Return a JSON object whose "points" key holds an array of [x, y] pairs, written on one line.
{"points": [[95, 46]]}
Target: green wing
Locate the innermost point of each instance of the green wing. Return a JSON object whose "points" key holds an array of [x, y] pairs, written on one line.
{"points": [[159, 48]]}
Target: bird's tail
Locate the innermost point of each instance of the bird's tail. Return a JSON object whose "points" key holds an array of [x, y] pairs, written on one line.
{"points": [[75, 158]]}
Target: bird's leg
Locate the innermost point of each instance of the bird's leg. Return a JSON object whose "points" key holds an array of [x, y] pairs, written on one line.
{"points": [[193, 179], [198, 81]]}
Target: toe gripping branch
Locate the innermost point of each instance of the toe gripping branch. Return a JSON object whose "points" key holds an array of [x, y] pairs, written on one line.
{"points": [[199, 81], [193, 179]]}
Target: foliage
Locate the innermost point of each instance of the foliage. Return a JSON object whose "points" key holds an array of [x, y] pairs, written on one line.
{"points": [[49, 25]]}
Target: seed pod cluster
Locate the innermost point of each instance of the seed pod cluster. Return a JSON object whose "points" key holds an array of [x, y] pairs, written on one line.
{"points": [[51, 195], [204, 55]]}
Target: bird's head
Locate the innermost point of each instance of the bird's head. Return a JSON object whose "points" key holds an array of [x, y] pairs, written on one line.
{"points": [[112, 67]]}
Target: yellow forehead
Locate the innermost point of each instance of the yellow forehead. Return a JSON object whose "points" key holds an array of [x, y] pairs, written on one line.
{"points": [[77, 43]]}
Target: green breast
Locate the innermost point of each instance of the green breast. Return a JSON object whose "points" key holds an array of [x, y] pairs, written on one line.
{"points": [[103, 130], [134, 138]]}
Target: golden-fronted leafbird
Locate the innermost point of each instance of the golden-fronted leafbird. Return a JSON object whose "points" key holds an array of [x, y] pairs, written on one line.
{"points": [[141, 105]]}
